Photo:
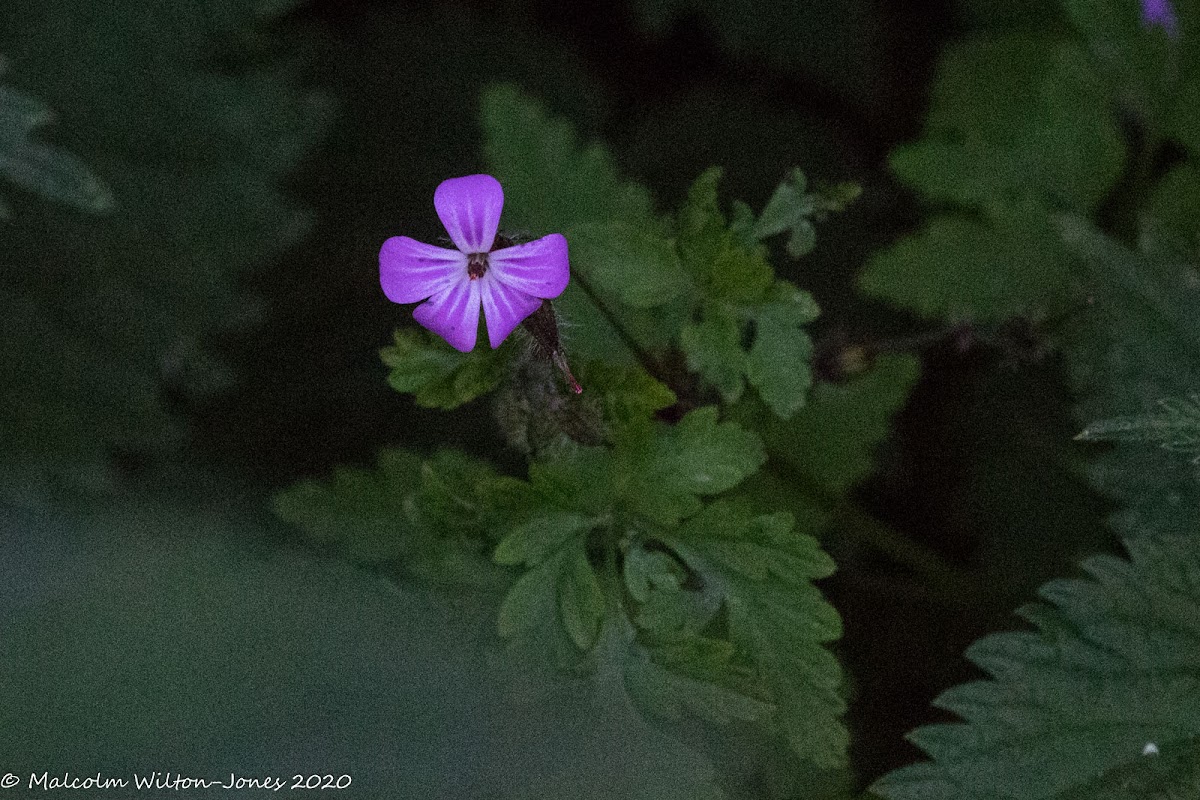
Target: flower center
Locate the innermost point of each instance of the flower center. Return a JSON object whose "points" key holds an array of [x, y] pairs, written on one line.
{"points": [[476, 265]]}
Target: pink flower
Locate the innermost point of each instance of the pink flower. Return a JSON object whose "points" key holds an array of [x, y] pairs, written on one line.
{"points": [[509, 283]]}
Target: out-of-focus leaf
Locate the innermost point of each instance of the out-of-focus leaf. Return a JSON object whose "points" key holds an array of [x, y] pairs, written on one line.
{"points": [[166, 636], [41, 168], [962, 268], [1011, 117], [437, 518], [96, 309]]}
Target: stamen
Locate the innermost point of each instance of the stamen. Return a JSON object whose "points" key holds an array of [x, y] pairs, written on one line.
{"points": [[477, 264]]}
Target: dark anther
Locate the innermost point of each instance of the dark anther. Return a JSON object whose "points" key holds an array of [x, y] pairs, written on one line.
{"points": [[476, 265]]}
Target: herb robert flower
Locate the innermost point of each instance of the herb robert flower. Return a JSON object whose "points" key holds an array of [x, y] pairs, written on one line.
{"points": [[508, 282]]}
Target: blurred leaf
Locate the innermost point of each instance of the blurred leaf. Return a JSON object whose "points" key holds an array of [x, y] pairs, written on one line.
{"points": [[438, 518], [580, 602], [195, 149], [41, 168], [838, 43], [148, 634], [1176, 203], [441, 377], [1127, 636], [829, 445], [1019, 125], [1014, 117], [555, 183], [792, 208], [960, 268], [1136, 59]]}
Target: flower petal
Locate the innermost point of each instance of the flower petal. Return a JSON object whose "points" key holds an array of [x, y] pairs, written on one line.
{"points": [[453, 315], [410, 270], [470, 209], [540, 268], [504, 308]]}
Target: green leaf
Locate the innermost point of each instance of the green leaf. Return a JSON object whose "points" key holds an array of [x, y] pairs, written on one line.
{"points": [[778, 366], [777, 618], [552, 181], [792, 208], [639, 267], [558, 600], [1176, 203], [555, 183], [1176, 427], [1137, 344], [963, 268], [629, 393], [534, 541], [695, 677], [580, 601], [725, 265], [788, 205], [829, 445], [41, 168], [698, 457], [1089, 702], [439, 376], [436, 518], [1013, 117], [713, 346]]}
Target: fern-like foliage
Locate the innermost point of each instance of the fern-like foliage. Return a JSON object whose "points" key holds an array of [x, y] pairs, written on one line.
{"points": [[1101, 700]]}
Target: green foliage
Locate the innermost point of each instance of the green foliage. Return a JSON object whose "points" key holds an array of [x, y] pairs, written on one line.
{"points": [[731, 272], [1175, 427], [962, 268], [1137, 345], [1014, 117], [423, 364], [776, 618], [792, 208], [1019, 126], [99, 312], [724, 260], [1100, 701], [41, 168], [437, 517], [701, 281], [698, 457]]}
